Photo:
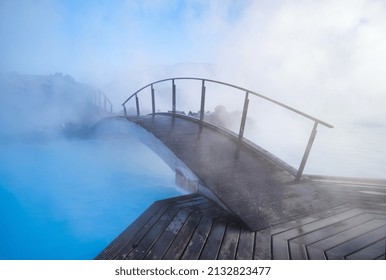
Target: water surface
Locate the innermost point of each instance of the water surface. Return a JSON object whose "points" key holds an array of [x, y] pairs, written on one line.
{"points": [[69, 198]]}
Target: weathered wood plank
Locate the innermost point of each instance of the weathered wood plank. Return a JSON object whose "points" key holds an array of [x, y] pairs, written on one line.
{"points": [[148, 240], [197, 242], [263, 245], [373, 251], [183, 237], [298, 244], [246, 245], [229, 244], [167, 236], [281, 249], [214, 241], [361, 242], [342, 237], [143, 230], [146, 220]]}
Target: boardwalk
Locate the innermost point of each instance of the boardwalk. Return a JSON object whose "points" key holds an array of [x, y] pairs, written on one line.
{"points": [[268, 215], [193, 227], [249, 182]]}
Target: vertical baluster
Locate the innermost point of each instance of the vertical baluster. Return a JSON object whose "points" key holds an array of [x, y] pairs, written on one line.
{"points": [[202, 108], [152, 100], [137, 104], [173, 97], [307, 152], [244, 116]]}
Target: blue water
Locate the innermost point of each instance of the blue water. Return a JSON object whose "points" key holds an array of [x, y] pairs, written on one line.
{"points": [[69, 198]]}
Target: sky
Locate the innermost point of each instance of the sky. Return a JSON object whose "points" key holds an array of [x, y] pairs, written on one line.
{"points": [[91, 36], [316, 55]]}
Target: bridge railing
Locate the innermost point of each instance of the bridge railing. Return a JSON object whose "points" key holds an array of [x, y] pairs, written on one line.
{"points": [[100, 100], [201, 113]]}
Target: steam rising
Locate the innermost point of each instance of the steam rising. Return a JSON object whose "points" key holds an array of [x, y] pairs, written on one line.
{"points": [[325, 58], [41, 103]]}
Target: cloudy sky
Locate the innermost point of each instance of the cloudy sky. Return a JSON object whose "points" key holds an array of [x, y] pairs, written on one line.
{"points": [[323, 55]]}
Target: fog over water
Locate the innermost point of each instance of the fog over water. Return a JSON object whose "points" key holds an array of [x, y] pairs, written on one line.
{"points": [[325, 58], [69, 184]]}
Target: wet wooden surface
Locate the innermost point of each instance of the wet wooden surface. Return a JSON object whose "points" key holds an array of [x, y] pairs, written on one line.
{"points": [[247, 181], [270, 216], [193, 227]]}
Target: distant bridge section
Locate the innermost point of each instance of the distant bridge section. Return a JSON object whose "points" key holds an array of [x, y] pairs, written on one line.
{"points": [[100, 100]]}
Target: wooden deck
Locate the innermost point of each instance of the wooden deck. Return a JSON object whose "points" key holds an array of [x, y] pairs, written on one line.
{"points": [[264, 213], [193, 227]]}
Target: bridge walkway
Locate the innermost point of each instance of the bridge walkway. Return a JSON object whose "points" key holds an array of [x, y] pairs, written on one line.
{"points": [[268, 215], [252, 184]]}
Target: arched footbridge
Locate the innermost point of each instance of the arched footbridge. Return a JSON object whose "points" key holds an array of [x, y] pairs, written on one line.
{"points": [[246, 202]]}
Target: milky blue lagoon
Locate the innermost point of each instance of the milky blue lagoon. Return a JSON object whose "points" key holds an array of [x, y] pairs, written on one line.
{"points": [[69, 198]]}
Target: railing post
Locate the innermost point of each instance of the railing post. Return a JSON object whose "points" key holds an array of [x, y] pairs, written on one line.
{"points": [[173, 97], [244, 116], [152, 100], [307, 152], [137, 104], [202, 108]]}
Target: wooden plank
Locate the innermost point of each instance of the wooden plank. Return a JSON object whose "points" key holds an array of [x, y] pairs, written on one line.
{"points": [[374, 251], [263, 241], [297, 251], [246, 245], [356, 244], [183, 237], [262, 249], [280, 241], [298, 245], [198, 239], [308, 219], [229, 244], [122, 242], [153, 230], [212, 247], [341, 237], [167, 236], [315, 253], [144, 244], [142, 231]]}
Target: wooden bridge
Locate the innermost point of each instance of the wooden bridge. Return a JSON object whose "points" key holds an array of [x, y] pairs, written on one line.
{"points": [[245, 202]]}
